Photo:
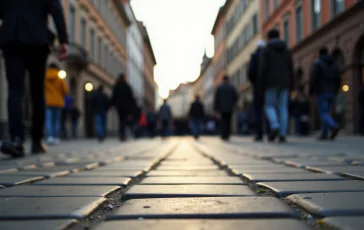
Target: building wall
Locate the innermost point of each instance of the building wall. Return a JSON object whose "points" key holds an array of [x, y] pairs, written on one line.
{"points": [[180, 101], [208, 88], [219, 59], [149, 83]]}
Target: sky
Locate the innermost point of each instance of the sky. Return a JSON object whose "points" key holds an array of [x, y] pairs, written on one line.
{"points": [[179, 31]]}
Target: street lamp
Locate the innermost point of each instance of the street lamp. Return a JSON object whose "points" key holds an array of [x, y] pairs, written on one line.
{"points": [[345, 88], [89, 86], [62, 74]]}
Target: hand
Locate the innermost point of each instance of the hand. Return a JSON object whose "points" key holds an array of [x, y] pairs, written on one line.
{"points": [[63, 52]]}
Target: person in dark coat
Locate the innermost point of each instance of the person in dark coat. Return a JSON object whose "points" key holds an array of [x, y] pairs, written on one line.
{"points": [[361, 102], [325, 83], [301, 112], [226, 97], [25, 41], [124, 102], [75, 116], [100, 104], [275, 81], [197, 114], [258, 100]]}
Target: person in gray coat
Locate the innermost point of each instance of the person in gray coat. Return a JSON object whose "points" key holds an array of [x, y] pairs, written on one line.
{"points": [[225, 99]]}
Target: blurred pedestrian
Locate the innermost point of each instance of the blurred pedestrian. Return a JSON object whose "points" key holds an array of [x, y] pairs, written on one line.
{"points": [[325, 84], [275, 81], [66, 115], [197, 114], [258, 97], [25, 41], [225, 99], [361, 103], [56, 90], [75, 116], [165, 119], [152, 123], [100, 104], [142, 124], [301, 112], [124, 102]]}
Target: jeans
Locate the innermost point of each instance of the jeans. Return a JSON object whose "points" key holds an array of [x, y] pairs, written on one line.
{"points": [[53, 121], [74, 129], [196, 127], [277, 99], [100, 122], [325, 103]]}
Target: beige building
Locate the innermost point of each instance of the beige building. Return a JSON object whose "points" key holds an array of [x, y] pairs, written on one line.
{"points": [[180, 100], [97, 34]]}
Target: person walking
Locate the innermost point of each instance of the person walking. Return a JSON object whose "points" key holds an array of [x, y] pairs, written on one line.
{"points": [[75, 115], [152, 123], [25, 41], [124, 102], [325, 82], [225, 98], [275, 81], [66, 115], [100, 104], [197, 114], [165, 118], [361, 103], [258, 99], [55, 90]]}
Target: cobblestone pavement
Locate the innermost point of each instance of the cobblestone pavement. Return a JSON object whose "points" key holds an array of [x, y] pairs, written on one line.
{"points": [[184, 184]]}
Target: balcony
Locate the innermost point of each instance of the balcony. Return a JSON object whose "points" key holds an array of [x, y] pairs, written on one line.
{"points": [[77, 57]]}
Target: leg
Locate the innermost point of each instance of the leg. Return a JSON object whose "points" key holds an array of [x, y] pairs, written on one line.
{"points": [[258, 118], [283, 111], [74, 129], [104, 125], [48, 122], [270, 108], [228, 123], [58, 122], [121, 124], [98, 122], [324, 105]]}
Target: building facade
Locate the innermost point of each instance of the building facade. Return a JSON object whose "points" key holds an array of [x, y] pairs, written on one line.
{"points": [[97, 33], [307, 25], [135, 54], [180, 100]]}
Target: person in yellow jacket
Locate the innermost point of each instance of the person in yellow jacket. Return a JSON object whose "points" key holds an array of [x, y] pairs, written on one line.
{"points": [[56, 90]]}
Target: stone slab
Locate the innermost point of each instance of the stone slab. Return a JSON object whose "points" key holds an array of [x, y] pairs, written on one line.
{"points": [[36, 224], [9, 181], [87, 181], [342, 223], [80, 165], [165, 173], [46, 174], [330, 204], [265, 177], [192, 180], [108, 173], [187, 163], [262, 164], [144, 168], [208, 207], [337, 170], [20, 208], [359, 175], [286, 170], [302, 163], [58, 191], [187, 167], [283, 189], [271, 224], [165, 191], [7, 170]]}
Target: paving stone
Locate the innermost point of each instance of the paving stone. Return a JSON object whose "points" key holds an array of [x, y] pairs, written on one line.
{"points": [[330, 204], [9, 181], [37, 224], [283, 189], [108, 173], [286, 170], [354, 174], [181, 168], [192, 180], [7, 169], [337, 170], [187, 163], [302, 163], [165, 173], [272, 224], [265, 177], [342, 223], [87, 181], [165, 191], [207, 207], [58, 191], [19, 208], [144, 168], [80, 165], [43, 173]]}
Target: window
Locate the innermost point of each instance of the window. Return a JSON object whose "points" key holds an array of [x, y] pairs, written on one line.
{"points": [[83, 32], [299, 23], [105, 57], [99, 50], [316, 13], [92, 43], [286, 28], [276, 4], [267, 9], [255, 24], [337, 6], [72, 24]]}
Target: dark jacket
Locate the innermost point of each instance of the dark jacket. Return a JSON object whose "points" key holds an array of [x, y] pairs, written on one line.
{"points": [[100, 102], [325, 76], [123, 98], [253, 68], [275, 67], [165, 113], [75, 114], [26, 21], [225, 98], [197, 110]]}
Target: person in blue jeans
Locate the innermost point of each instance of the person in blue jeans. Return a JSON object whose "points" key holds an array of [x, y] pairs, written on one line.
{"points": [[275, 81], [197, 114], [325, 82], [100, 103]]}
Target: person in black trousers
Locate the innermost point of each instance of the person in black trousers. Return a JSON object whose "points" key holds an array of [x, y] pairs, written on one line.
{"points": [[25, 41], [225, 99]]}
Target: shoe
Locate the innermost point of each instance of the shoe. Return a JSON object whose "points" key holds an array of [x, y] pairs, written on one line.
{"points": [[13, 148], [273, 135], [258, 139], [39, 148], [322, 138], [282, 139], [334, 132]]}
